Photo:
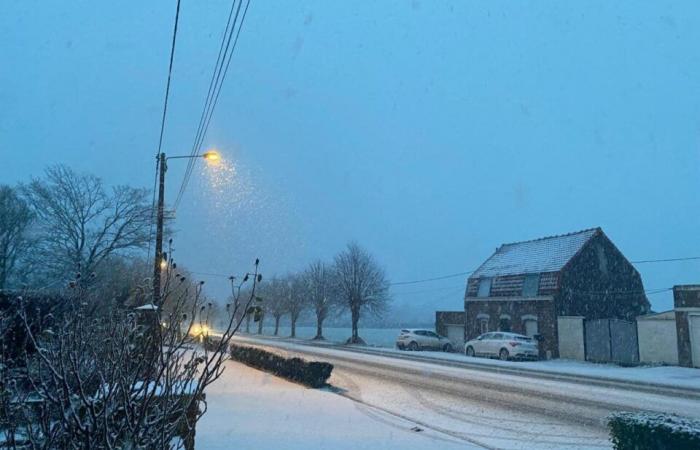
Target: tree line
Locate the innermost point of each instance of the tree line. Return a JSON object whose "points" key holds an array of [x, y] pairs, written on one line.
{"points": [[353, 282]]}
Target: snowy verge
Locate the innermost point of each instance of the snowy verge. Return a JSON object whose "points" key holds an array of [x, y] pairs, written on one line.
{"points": [[662, 376]]}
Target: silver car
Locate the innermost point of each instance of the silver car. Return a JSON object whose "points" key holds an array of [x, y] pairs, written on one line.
{"points": [[420, 339], [502, 345]]}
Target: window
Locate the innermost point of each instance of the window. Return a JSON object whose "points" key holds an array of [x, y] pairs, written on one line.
{"points": [[531, 285], [497, 336], [483, 326], [504, 324], [531, 327], [484, 287]]}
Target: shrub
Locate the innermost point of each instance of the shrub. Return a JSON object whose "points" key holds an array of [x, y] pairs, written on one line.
{"points": [[310, 373], [657, 431]]}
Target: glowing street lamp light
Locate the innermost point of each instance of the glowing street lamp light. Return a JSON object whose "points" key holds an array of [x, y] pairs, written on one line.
{"points": [[211, 156]]}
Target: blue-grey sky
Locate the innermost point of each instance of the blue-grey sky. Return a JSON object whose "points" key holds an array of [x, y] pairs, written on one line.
{"points": [[430, 132]]}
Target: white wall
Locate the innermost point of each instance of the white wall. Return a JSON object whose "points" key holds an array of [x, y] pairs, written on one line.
{"points": [[658, 342], [571, 345]]}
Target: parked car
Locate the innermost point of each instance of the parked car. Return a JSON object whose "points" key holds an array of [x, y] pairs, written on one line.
{"points": [[502, 345], [419, 339]]}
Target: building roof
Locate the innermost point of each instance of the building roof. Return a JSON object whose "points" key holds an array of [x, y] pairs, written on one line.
{"points": [[548, 254]]}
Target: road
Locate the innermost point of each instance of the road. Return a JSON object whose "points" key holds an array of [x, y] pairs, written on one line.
{"points": [[491, 409]]}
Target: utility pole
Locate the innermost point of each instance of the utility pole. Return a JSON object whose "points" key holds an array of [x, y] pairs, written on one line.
{"points": [[159, 232]]}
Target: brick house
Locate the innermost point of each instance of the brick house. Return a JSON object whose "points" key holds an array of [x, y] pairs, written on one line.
{"points": [[525, 286]]}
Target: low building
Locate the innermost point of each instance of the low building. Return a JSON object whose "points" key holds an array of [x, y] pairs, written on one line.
{"points": [[686, 305], [524, 287]]}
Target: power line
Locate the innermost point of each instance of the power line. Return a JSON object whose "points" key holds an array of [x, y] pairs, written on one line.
{"points": [[220, 71], [425, 280], [162, 124], [687, 258]]}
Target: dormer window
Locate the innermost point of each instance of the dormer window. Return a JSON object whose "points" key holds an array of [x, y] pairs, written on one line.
{"points": [[484, 287], [531, 285]]}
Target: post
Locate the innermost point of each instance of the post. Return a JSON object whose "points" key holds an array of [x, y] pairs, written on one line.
{"points": [[159, 232]]}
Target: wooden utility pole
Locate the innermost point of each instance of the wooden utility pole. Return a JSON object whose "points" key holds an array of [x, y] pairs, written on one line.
{"points": [[159, 232]]}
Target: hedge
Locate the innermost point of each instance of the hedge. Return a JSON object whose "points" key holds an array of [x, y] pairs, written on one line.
{"points": [[310, 373], [657, 431]]}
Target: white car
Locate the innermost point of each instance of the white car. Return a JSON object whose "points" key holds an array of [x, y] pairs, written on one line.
{"points": [[502, 345], [420, 339]]}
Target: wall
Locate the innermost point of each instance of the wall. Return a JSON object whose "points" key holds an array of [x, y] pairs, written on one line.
{"points": [[599, 283], [444, 318], [571, 338], [658, 340], [686, 300], [516, 308]]}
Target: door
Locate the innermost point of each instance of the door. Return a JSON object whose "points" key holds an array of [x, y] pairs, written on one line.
{"points": [[455, 333], [530, 327], [694, 323], [434, 340], [481, 345]]}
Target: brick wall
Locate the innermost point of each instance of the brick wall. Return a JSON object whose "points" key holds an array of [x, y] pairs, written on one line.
{"points": [[542, 309]]}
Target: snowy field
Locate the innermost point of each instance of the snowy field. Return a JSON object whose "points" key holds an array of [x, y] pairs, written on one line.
{"points": [[249, 409]]}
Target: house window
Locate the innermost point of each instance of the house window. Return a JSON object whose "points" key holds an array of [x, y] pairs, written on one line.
{"points": [[484, 287], [531, 285], [483, 326], [504, 323], [531, 327]]}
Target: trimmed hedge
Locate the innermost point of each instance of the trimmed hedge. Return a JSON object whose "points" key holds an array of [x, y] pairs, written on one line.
{"points": [[310, 373], [657, 431]]}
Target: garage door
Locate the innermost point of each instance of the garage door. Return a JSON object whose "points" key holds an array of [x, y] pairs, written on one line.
{"points": [[694, 322], [455, 333]]}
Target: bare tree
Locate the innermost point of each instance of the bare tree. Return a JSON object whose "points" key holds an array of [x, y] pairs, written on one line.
{"points": [[297, 300], [126, 380], [361, 284], [318, 278], [82, 224], [15, 218], [274, 293]]}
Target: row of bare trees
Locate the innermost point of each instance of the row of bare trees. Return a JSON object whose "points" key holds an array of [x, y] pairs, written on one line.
{"points": [[353, 283]]}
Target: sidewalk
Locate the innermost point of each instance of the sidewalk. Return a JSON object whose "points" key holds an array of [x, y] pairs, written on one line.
{"points": [[250, 409]]}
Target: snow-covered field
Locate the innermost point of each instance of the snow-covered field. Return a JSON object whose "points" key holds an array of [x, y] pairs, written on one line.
{"points": [[249, 409]]}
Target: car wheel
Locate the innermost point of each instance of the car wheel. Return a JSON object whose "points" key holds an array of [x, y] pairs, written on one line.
{"points": [[503, 354], [447, 348], [469, 351], [414, 346]]}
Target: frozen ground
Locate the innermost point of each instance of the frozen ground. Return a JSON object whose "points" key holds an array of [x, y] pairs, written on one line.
{"points": [[249, 409]]}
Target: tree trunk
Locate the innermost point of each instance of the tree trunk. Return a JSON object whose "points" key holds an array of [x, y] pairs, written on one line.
{"points": [[247, 323], [277, 325], [294, 327], [355, 318], [260, 325], [319, 327]]}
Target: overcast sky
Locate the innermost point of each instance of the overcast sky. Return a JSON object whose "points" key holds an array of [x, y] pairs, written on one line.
{"points": [[430, 132]]}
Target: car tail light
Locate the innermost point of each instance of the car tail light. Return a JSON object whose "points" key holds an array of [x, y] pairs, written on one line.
{"points": [[514, 344]]}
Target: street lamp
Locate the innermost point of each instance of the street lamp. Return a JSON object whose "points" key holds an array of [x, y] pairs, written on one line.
{"points": [[211, 156]]}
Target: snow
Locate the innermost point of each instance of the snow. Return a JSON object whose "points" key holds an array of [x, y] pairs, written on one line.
{"points": [[671, 376], [252, 409], [548, 254]]}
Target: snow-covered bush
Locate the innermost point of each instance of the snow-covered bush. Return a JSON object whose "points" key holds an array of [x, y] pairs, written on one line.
{"points": [[123, 378], [310, 373], [653, 431]]}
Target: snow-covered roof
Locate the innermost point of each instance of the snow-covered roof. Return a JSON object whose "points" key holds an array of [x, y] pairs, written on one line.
{"points": [[548, 254]]}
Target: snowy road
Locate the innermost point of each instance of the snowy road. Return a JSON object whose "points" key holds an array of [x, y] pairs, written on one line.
{"points": [[486, 408]]}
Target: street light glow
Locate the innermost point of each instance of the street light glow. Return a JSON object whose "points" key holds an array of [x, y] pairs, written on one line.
{"points": [[212, 156], [163, 264]]}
